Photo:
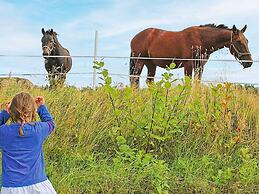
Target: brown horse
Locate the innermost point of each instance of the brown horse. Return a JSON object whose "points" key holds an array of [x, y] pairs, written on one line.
{"points": [[57, 67], [196, 43]]}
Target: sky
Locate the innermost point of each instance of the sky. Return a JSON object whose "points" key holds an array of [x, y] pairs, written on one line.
{"points": [[117, 22]]}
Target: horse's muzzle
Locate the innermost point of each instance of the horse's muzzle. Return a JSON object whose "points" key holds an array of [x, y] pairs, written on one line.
{"points": [[45, 55], [247, 64]]}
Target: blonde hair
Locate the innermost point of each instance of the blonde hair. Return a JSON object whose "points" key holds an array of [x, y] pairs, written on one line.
{"points": [[23, 109]]}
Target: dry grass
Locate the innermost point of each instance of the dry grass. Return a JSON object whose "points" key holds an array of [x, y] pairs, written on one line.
{"points": [[210, 146]]}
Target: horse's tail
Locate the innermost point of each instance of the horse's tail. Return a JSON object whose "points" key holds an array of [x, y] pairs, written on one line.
{"points": [[132, 68], [132, 64]]}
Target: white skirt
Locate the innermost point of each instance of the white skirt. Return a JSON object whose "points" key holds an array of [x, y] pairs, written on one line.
{"points": [[39, 188]]}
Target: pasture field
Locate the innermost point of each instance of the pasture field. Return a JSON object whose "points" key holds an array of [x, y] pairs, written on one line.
{"points": [[167, 138]]}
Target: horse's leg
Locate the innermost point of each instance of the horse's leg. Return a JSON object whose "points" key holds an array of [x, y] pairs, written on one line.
{"points": [[51, 77], [62, 78], [134, 80], [55, 76], [198, 70], [59, 76], [151, 71], [49, 68], [188, 68]]}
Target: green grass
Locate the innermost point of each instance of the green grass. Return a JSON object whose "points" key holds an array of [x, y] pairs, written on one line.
{"points": [[188, 138]]}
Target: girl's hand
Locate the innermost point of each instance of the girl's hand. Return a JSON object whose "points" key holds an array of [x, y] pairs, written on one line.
{"points": [[39, 101], [7, 106]]}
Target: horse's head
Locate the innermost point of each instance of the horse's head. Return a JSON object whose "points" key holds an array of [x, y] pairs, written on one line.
{"points": [[239, 46], [48, 41]]}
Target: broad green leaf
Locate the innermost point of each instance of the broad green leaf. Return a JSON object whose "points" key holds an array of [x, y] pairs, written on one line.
{"points": [[105, 73], [108, 80], [167, 84], [172, 65]]}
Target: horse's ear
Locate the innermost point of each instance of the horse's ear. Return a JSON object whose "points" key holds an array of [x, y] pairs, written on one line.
{"points": [[244, 29], [235, 30], [51, 31], [42, 31]]}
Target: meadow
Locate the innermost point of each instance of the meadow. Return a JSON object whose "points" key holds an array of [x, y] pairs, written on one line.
{"points": [[166, 138]]}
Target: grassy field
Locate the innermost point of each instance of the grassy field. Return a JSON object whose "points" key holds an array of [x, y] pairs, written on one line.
{"points": [[168, 138]]}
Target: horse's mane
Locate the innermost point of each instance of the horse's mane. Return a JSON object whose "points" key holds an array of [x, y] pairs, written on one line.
{"points": [[49, 32], [220, 26], [55, 34]]}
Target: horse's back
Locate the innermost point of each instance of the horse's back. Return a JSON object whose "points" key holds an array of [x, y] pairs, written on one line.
{"points": [[162, 41], [142, 41], [153, 33]]}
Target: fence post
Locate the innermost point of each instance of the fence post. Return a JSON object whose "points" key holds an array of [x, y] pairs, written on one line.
{"points": [[95, 58]]}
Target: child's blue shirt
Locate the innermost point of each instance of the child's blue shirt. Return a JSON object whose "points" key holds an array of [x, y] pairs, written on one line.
{"points": [[22, 156]]}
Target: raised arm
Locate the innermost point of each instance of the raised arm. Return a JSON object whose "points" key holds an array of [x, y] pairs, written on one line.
{"points": [[4, 115], [44, 114]]}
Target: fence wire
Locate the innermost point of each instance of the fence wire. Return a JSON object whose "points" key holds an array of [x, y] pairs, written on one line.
{"points": [[129, 57], [100, 58]]}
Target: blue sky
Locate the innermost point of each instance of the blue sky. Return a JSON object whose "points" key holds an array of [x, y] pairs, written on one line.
{"points": [[117, 22]]}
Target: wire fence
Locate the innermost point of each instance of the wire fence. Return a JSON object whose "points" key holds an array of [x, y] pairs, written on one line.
{"points": [[129, 57], [97, 57], [122, 75]]}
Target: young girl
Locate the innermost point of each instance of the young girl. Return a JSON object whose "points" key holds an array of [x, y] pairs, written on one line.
{"points": [[23, 170]]}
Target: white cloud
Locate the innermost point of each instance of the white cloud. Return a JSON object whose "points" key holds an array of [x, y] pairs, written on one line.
{"points": [[16, 36], [122, 17], [234, 8]]}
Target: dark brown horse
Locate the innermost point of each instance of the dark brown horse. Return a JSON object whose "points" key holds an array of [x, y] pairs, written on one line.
{"points": [[57, 67], [196, 42]]}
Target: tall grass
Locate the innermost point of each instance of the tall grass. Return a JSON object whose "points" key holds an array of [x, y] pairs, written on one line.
{"points": [[168, 138]]}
